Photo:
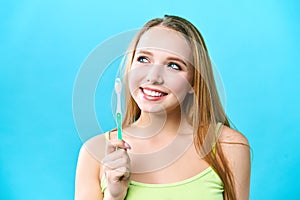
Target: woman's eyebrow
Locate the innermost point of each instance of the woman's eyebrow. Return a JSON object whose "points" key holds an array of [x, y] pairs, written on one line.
{"points": [[178, 59], [144, 52], [169, 58]]}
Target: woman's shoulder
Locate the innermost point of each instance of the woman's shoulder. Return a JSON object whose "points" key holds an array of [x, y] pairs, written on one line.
{"points": [[231, 136], [236, 149], [95, 147], [88, 170]]}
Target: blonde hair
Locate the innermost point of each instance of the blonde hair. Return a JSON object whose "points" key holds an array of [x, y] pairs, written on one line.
{"points": [[202, 109]]}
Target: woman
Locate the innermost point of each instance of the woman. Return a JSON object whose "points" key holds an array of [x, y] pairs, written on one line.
{"points": [[172, 102]]}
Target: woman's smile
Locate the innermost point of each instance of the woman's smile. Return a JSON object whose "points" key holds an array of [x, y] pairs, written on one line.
{"points": [[152, 94]]}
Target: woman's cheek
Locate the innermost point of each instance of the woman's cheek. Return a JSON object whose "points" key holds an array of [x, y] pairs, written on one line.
{"points": [[179, 86], [136, 77]]}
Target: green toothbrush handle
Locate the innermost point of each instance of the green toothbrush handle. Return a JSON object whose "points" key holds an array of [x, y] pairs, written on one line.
{"points": [[119, 126]]}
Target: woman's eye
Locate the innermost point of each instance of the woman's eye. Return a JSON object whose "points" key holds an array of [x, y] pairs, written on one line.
{"points": [[142, 59], [174, 66]]}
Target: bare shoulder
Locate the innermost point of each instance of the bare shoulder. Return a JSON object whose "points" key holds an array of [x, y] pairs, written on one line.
{"points": [[95, 147], [90, 156], [88, 169], [236, 149], [231, 136], [92, 152]]}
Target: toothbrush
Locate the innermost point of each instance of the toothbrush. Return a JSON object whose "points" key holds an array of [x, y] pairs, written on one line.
{"points": [[118, 88]]}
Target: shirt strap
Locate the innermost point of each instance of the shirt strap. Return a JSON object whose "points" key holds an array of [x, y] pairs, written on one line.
{"points": [[107, 135]]}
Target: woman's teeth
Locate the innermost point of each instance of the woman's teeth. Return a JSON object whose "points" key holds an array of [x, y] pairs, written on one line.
{"points": [[152, 93]]}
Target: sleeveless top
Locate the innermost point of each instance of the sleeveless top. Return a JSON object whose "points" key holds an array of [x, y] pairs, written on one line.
{"points": [[206, 185]]}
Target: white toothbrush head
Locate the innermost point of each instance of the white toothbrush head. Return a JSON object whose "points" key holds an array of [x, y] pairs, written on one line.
{"points": [[118, 86]]}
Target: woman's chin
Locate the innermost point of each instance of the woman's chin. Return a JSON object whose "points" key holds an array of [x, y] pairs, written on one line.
{"points": [[153, 109]]}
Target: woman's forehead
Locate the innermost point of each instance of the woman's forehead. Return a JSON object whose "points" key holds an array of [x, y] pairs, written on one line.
{"points": [[166, 39]]}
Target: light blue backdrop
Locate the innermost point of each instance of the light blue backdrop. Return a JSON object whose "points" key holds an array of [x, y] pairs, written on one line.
{"points": [[255, 45]]}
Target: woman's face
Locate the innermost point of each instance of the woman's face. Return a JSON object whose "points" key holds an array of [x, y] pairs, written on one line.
{"points": [[161, 73]]}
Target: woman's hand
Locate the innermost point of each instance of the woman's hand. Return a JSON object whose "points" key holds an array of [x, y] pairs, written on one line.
{"points": [[116, 169]]}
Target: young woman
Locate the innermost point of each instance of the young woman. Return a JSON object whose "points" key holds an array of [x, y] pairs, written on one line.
{"points": [[177, 141]]}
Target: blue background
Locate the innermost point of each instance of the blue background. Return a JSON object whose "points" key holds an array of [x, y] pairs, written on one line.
{"points": [[255, 45]]}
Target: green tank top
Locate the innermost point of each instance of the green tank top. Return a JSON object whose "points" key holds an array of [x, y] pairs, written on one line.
{"points": [[206, 185]]}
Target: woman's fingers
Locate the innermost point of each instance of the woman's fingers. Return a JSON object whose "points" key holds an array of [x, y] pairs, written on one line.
{"points": [[116, 159], [115, 176], [116, 167], [112, 145], [116, 155], [116, 163]]}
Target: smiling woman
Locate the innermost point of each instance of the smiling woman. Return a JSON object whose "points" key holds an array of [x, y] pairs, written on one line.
{"points": [[158, 75], [177, 141]]}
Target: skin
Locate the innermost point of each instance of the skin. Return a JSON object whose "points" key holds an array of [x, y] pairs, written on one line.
{"points": [[156, 69], [161, 65]]}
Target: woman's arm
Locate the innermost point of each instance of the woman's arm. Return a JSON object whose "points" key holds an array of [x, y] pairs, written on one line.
{"points": [[87, 185], [236, 149], [114, 163]]}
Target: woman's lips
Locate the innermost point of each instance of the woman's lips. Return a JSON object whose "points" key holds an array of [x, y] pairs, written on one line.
{"points": [[152, 94]]}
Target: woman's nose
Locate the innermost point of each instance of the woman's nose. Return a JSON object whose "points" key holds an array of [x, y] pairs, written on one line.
{"points": [[155, 74]]}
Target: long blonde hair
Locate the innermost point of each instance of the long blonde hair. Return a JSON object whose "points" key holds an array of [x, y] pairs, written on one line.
{"points": [[203, 108]]}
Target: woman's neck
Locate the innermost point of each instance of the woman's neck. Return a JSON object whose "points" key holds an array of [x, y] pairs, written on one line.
{"points": [[164, 123]]}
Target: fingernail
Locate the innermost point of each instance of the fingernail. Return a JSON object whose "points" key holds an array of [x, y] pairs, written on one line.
{"points": [[127, 145]]}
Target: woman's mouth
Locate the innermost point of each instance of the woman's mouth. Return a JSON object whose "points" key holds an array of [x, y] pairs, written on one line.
{"points": [[153, 94]]}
